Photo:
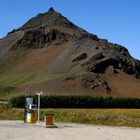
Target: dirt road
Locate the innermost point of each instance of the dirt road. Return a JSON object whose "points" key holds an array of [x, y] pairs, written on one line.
{"points": [[17, 130]]}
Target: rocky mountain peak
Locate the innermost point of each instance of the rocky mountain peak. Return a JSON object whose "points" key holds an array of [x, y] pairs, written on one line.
{"points": [[47, 28], [51, 9]]}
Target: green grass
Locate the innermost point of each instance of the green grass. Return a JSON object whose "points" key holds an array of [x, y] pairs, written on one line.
{"points": [[8, 113], [4, 69], [15, 80], [6, 91], [112, 117]]}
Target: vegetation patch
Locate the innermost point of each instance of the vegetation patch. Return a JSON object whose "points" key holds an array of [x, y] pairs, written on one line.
{"points": [[63, 101], [113, 117], [4, 91], [8, 113]]}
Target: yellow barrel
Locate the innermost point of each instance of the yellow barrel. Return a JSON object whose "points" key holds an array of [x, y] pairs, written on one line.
{"points": [[49, 120]]}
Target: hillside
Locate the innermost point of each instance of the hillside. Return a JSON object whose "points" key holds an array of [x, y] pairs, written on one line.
{"points": [[52, 54]]}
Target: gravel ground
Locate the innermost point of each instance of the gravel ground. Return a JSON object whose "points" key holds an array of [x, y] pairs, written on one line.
{"points": [[17, 130]]}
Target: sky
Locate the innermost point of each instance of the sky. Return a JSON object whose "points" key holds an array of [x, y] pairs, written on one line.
{"points": [[115, 20]]}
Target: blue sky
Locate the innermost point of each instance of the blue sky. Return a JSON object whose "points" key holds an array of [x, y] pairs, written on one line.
{"points": [[116, 20]]}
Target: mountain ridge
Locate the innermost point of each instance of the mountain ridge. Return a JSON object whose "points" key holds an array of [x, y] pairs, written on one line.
{"points": [[49, 52]]}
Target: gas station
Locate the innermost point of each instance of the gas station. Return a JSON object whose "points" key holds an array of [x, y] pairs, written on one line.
{"points": [[32, 112]]}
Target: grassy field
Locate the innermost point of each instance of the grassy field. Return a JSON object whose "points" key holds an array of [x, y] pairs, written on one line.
{"points": [[113, 117]]}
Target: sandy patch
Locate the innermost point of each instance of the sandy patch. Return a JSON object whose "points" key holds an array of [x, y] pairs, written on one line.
{"points": [[17, 130]]}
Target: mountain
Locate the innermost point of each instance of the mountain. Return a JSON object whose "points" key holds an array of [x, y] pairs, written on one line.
{"points": [[52, 54]]}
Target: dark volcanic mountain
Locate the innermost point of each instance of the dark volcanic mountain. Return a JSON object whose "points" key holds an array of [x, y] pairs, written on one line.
{"points": [[51, 53]]}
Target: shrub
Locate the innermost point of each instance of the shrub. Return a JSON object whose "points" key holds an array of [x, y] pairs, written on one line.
{"points": [[59, 101]]}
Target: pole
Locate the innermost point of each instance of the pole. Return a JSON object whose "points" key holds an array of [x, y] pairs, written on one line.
{"points": [[38, 108], [25, 111]]}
